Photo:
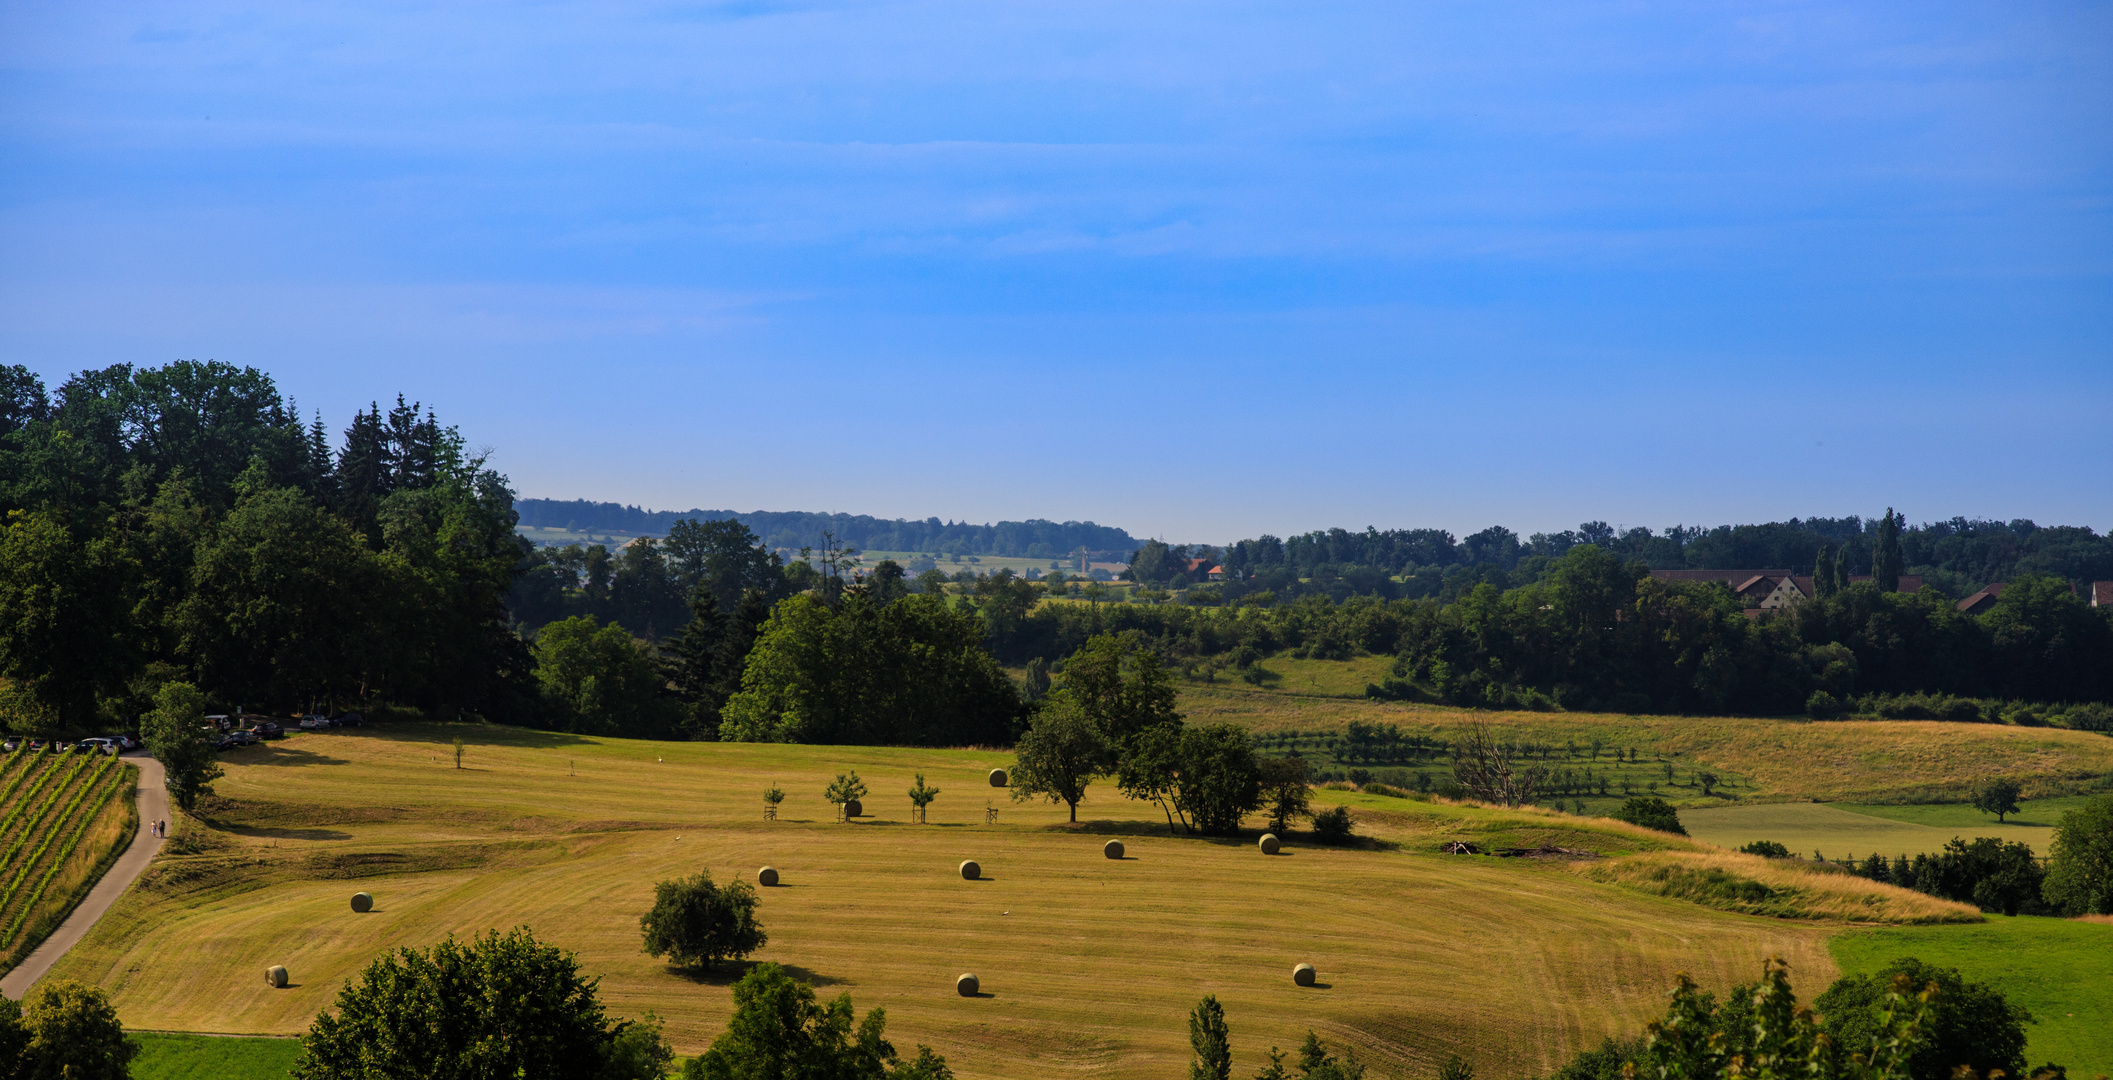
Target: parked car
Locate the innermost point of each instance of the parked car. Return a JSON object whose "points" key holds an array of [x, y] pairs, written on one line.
{"points": [[351, 719], [228, 741], [269, 730], [310, 723], [97, 745], [129, 742], [10, 744], [36, 744]]}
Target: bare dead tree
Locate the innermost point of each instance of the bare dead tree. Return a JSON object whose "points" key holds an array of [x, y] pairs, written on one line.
{"points": [[1493, 771]]}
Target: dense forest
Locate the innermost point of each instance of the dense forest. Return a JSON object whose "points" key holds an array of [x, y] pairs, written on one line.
{"points": [[184, 524], [792, 530]]}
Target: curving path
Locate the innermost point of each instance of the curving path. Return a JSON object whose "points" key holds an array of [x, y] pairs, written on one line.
{"points": [[153, 802]]}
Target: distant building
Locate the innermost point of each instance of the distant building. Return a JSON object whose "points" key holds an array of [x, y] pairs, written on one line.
{"points": [[1769, 590], [2102, 594], [1205, 569], [1981, 601]]}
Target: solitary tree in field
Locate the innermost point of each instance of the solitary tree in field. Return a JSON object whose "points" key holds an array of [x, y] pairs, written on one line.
{"points": [[1060, 754], [458, 751], [1998, 796], [921, 797], [1707, 779], [697, 924], [771, 799]]}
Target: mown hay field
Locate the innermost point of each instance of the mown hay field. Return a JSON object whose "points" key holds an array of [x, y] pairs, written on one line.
{"points": [[1857, 761], [63, 818], [1091, 964]]}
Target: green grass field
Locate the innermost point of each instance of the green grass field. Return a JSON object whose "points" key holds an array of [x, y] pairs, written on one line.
{"points": [[2042, 814], [1091, 964], [1837, 831], [167, 1056], [2059, 969]]}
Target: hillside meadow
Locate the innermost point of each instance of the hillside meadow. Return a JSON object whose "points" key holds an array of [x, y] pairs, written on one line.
{"points": [[1090, 964], [1776, 759]]}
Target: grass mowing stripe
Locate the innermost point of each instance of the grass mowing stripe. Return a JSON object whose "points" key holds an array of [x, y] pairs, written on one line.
{"points": [[44, 805], [56, 826], [58, 863]]}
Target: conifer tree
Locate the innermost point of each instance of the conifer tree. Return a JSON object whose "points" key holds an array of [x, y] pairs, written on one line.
{"points": [[1885, 553], [1823, 583]]}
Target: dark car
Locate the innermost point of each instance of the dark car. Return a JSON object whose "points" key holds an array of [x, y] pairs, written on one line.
{"points": [[351, 719], [269, 730], [228, 741], [129, 742]]}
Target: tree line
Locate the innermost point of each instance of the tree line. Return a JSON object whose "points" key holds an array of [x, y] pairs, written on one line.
{"points": [[1036, 538], [1957, 556]]}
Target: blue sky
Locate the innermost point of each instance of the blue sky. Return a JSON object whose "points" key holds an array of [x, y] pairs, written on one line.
{"points": [[1198, 270]]}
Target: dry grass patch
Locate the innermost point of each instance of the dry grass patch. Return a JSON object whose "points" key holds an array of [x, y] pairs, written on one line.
{"points": [[1777, 888]]}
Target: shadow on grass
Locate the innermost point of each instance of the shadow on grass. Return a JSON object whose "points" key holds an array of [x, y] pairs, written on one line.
{"points": [[283, 834], [276, 753], [730, 972], [1245, 839]]}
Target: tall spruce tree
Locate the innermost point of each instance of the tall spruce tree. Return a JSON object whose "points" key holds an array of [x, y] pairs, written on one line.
{"points": [[692, 660], [1885, 552]]}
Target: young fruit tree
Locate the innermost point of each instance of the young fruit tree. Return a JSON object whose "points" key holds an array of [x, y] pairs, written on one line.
{"points": [[696, 924], [921, 797], [1059, 755], [845, 789]]}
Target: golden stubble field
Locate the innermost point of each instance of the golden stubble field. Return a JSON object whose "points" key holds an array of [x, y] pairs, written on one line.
{"points": [[1090, 964]]}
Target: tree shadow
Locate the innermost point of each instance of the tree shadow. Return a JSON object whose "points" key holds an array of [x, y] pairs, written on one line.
{"points": [[730, 972], [283, 834], [1106, 827], [273, 753]]}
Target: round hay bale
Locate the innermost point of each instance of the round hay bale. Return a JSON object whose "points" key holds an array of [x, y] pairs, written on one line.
{"points": [[853, 809], [1302, 974], [767, 876], [997, 778], [969, 870], [362, 903], [967, 986], [1113, 849], [275, 977], [1270, 844]]}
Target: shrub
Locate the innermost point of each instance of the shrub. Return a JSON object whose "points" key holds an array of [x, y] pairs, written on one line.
{"points": [[1767, 849], [1966, 1024], [2079, 879], [697, 924], [640, 1051], [63, 1028], [1332, 826], [2094, 716], [1651, 814], [1824, 706]]}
